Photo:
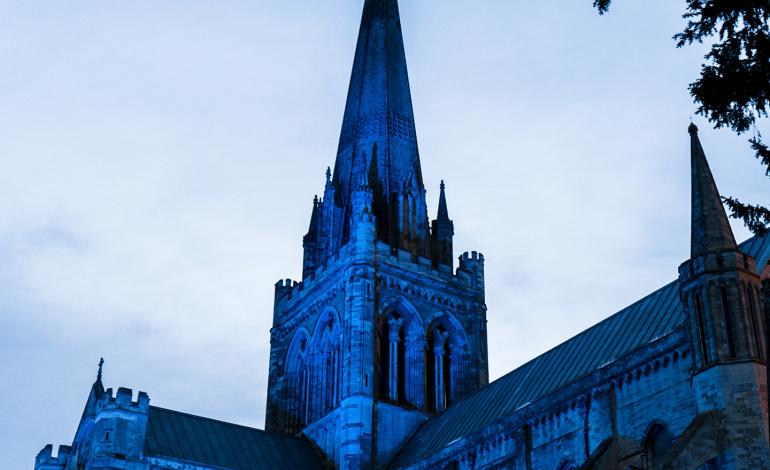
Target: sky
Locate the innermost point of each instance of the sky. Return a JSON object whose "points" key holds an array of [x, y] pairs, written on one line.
{"points": [[158, 162]]}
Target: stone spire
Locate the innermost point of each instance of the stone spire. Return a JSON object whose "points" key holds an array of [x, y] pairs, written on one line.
{"points": [[443, 212], [710, 232], [378, 119], [443, 232], [313, 229]]}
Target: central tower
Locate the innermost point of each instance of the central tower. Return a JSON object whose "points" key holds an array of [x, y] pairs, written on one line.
{"points": [[381, 332]]}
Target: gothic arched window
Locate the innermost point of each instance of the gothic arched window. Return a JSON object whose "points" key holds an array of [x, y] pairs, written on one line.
{"points": [[400, 355], [445, 364], [656, 445], [325, 366], [296, 382]]}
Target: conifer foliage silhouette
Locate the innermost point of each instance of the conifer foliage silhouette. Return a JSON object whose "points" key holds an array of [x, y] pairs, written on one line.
{"points": [[733, 89]]}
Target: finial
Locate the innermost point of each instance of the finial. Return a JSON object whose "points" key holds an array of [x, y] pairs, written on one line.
{"points": [[99, 372], [692, 129], [442, 185], [315, 200], [328, 174]]}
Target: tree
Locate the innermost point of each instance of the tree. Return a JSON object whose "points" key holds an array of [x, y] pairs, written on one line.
{"points": [[733, 89]]}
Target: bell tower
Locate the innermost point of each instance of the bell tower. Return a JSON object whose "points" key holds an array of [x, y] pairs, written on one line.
{"points": [[382, 331]]}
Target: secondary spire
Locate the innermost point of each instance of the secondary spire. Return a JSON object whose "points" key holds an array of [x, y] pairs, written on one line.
{"points": [[710, 230]]}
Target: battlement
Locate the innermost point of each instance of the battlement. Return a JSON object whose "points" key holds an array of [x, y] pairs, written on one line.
{"points": [[717, 262], [122, 400], [471, 256], [403, 256], [46, 461], [286, 283], [286, 288]]}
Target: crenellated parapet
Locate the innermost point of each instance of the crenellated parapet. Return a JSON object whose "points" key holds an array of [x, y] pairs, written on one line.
{"points": [[46, 461], [120, 427], [471, 269], [122, 402]]}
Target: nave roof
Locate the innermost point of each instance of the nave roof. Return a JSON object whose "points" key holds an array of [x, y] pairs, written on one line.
{"points": [[181, 436], [653, 317]]}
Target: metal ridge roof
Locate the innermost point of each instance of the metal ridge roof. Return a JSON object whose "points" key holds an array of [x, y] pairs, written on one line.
{"points": [[650, 318], [181, 436]]}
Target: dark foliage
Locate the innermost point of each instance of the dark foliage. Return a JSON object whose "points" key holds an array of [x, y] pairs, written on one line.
{"points": [[756, 218], [734, 86], [602, 5], [762, 152]]}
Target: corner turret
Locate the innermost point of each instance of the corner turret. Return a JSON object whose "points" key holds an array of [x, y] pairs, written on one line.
{"points": [[46, 461], [726, 325], [471, 268], [443, 233], [310, 241], [721, 293], [120, 427]]}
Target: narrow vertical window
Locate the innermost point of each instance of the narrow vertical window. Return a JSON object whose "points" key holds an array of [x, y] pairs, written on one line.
{"points": [[754, 327], [701, 330], [728, 322], [447, 376], [430, 376], [383, 362]]}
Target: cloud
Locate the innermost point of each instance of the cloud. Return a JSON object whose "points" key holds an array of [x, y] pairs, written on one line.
{"points": [[159, 163]]}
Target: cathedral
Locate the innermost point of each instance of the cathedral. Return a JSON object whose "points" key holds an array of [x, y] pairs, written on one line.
{"points": [[378, 355]]}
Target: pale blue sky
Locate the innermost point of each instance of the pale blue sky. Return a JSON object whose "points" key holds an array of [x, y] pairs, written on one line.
{"points": [[159, 160]]}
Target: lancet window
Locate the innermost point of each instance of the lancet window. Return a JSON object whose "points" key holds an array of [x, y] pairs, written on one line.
{"points": [[295, 413], [446, 362], [313, 373], [400, 356], [326, 362]]}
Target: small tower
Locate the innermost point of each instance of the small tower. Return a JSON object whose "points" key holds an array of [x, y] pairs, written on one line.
{"points": [[721, 292], [310, 241], [443, 232]]}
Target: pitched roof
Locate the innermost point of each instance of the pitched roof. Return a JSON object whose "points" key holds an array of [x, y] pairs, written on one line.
{"points": [[759, 249], [652, 317], [214, 443]]}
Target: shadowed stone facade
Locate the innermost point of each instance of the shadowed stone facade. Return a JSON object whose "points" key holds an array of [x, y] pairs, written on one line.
{"points": [[379, 353]]}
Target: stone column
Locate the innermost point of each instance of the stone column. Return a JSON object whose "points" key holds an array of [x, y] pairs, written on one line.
{"points": [[457, 372], [394, 327], [438, 369]]}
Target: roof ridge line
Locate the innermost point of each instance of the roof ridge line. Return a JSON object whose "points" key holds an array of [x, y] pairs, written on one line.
{"points": [[227, 423]]}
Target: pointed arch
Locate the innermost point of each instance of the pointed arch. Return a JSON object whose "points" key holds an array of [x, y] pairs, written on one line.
{"points": [[447, 361], [656, 443], [448, 323], [297, 379], [325, 364], [328, 323], [299, 344], [400, 341]]}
